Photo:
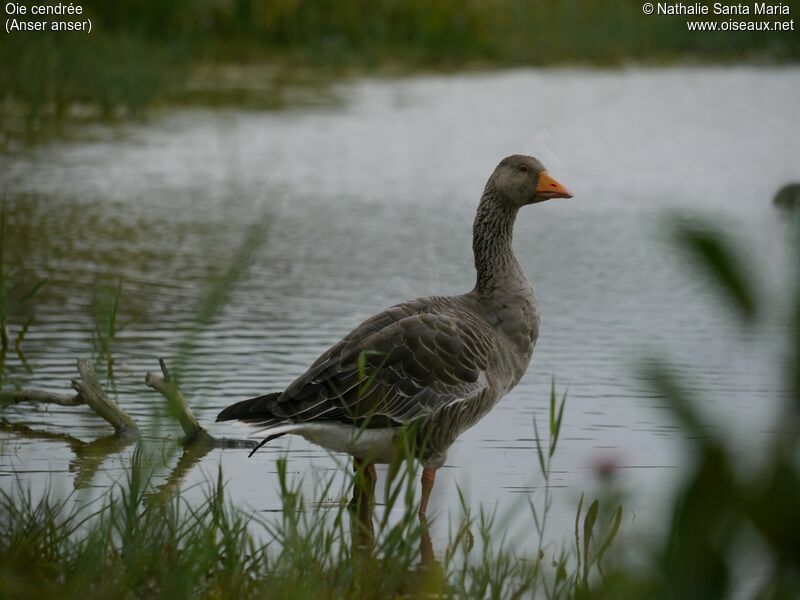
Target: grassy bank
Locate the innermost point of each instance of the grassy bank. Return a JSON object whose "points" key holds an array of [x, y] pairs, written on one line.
{"points": [[140, 53], [138, 541]]}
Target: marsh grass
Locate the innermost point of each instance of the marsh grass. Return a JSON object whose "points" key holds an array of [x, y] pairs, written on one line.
{"points": [[132, 542], [446, 32], [15, 293], [107, 326], [48, 79], [119, 545], [141, 53]]}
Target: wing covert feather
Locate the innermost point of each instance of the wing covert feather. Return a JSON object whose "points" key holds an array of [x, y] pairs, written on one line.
{"points": [[397, 365]]}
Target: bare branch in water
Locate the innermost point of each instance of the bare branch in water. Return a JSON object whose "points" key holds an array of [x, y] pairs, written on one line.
{"points": [[40, 397], [197, 442], [89, 392], [192, 429], [165, 385], [92, 392]]}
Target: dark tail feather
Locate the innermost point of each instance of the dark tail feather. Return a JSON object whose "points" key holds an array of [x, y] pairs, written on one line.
{"points": [[254, 408]]}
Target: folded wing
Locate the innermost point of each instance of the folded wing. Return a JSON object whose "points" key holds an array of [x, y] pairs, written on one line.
{"points": [[392, 369]]}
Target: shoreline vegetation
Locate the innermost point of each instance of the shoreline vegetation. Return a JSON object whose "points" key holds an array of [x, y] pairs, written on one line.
{"points": [[141, 55], [142, 540]]}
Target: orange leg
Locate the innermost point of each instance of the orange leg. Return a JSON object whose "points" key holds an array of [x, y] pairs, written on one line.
{"points": [[428, 478]]}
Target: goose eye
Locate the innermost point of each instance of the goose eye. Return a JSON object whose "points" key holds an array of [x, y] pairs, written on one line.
{"points": [[523, 169]]}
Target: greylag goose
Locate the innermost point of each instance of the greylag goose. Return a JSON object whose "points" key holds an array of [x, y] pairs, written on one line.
{"points": [[431, 367]]}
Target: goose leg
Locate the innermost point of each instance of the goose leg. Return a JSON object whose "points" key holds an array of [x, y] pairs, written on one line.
{"points": [[361, 506], [364, 487], [426, 546], [428, 478]]}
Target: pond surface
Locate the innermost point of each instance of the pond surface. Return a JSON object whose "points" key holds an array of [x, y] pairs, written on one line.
{"points": [[368, 202]]}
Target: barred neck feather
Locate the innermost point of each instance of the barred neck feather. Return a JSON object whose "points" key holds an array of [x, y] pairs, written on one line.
{"points": [[492, 238]]}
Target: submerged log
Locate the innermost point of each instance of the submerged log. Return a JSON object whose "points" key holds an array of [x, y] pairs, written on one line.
{"points": [[165, 385], [196, 443], [40, 397], [90, 392], [179, 407], [89, 388]]}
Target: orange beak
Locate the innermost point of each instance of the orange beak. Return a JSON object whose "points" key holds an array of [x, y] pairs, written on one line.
{"points": [[549, 188]]}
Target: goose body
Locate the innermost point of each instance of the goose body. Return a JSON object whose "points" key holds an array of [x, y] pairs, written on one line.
{"points": [[432, 365]]}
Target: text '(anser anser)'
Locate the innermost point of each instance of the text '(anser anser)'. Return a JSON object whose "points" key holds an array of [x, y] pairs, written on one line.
{"points": [[430, 367]]}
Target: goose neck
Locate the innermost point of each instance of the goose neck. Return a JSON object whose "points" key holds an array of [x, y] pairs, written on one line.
{"points": [[493, 234]]}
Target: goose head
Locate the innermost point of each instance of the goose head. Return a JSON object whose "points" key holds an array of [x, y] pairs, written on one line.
{"points": [[520, 180]]}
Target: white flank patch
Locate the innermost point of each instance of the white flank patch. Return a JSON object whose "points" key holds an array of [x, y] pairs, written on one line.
{"points": [[375, 445]]}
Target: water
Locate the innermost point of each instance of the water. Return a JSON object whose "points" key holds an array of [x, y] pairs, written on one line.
{"points": [[370, 202]]}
